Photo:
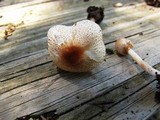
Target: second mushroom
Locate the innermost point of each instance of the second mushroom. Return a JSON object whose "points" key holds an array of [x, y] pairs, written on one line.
{"points": [[124, 46]]}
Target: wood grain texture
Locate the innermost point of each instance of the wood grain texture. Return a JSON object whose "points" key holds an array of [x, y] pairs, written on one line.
{"points": [[117, 101], [118, 89]]}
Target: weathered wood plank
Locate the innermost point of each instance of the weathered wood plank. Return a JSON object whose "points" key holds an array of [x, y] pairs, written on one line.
{"points": [[140, 109], [5, 4], [8, 81], [154, 116], [8, 70], [113, 10], [23, 49], [27, 39], [136, 106], [63, 18], [115, 77], [36, 11], [33, 48], [13, 66], [29, 71], [110, 103]]}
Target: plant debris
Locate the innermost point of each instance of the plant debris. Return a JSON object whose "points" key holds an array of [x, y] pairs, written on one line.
{"points": [[7, 30], [46, 116], [141, 33], [109, 51], [118, 4], [154, 3], [86, 0], [96, 13], [131, 4]]}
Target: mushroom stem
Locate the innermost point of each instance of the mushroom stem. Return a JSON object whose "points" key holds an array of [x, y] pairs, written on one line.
{"points": [[144, 65], [124, 46]]}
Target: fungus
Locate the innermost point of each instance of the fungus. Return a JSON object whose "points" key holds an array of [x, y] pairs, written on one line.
{"points": [[124, 46], [77, 48], [95, 14]]}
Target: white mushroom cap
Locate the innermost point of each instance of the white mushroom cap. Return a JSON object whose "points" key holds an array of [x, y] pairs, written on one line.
{"points": [[77, 48]]}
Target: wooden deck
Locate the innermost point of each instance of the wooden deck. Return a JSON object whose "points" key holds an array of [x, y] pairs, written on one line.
{"points": [[30, 84]]}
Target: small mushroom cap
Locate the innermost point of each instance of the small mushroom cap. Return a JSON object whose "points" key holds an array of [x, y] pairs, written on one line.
{"points": [[123, 45], [77, 48]]}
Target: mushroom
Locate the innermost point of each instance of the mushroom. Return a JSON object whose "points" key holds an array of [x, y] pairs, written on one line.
{"points": [[95, 14], [77, 48], [124, 46]]}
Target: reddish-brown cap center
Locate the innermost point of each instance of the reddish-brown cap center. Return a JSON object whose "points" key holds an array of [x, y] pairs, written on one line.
{"points": [[72, 55]]}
